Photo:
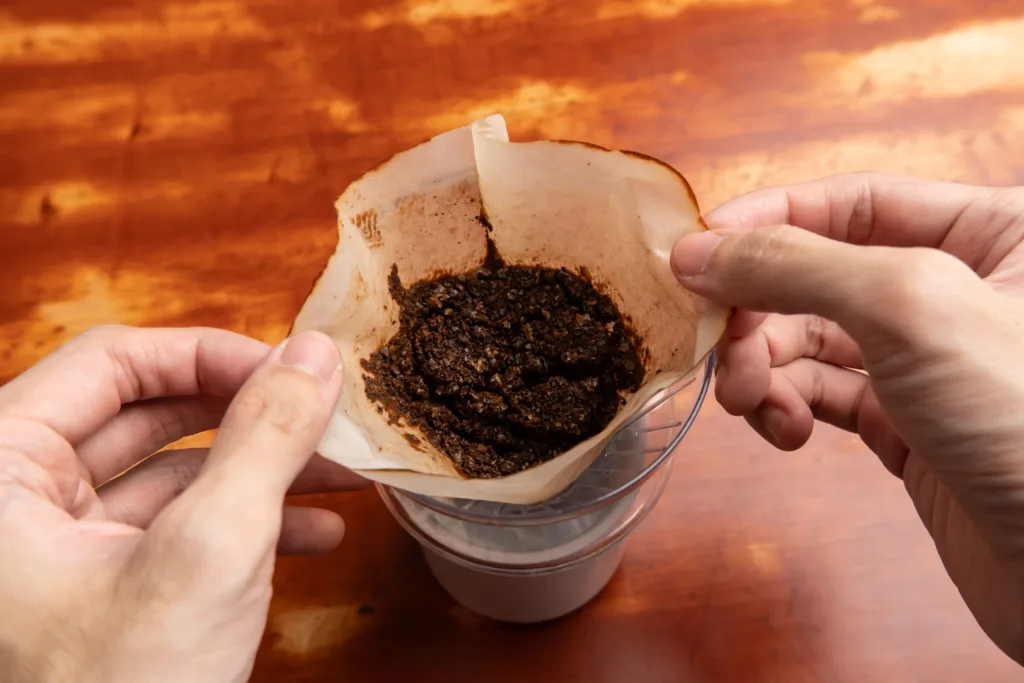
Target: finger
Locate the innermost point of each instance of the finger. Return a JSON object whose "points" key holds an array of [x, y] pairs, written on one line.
{"points": [[743, 323], [233, 509], [309, 531], [744, 362], [898, 294], [82, 385], [744, 373], [145, 427], [807, 390], [783, 419], [809, 336], [740, 327], [831, 394], [138, 496], [860, 208]]}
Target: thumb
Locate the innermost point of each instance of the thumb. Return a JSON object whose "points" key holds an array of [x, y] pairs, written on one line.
{"points": [[232, 512], [868, 290]]}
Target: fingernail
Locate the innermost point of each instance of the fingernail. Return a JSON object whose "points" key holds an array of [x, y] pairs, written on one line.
{"points": [[314, 353], [691, 254], [774, 422]]}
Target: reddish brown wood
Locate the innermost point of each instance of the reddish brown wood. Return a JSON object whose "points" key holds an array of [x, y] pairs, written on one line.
{"points": [[176, 162]]}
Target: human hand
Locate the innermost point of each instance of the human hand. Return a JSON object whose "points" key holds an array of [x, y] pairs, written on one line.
{"points": [[162, 573], [895, 311]]}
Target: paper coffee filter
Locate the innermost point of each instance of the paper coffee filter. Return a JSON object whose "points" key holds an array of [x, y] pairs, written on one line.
{"points": [[430, 210]]}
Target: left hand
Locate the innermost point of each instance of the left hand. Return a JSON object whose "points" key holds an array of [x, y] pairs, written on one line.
{"points": [[117, 566]]}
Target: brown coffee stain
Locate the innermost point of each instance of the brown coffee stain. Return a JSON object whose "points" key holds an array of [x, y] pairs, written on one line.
{"points": [[366, 223]]}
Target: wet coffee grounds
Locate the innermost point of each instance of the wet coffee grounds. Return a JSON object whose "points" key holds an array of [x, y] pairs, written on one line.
{"points": [[505, 367]]}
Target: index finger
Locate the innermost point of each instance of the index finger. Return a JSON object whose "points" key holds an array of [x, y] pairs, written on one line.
{"points": [[84, 383], [867, 208]]}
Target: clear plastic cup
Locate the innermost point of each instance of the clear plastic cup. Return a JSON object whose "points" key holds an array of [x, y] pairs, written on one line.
{"points": [[533, 563]]}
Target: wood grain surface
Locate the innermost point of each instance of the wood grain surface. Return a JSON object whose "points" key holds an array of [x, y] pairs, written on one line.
{"points": [[175, 163]]}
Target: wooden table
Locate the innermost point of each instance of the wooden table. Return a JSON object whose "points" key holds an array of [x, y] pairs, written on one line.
{"points": [[175, 163]]}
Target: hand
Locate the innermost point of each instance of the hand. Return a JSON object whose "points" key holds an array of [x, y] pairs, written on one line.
{"points": [[113, 578], [921, 285]]}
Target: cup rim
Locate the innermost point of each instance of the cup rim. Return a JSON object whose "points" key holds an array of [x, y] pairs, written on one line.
{"points": [[623, 529], [549, 517]]}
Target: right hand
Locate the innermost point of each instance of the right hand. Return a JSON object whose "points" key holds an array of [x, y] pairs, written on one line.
{"points": [[895, 310]]}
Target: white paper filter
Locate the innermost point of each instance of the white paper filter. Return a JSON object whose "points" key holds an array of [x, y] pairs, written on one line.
{"points": [[554, 204]]}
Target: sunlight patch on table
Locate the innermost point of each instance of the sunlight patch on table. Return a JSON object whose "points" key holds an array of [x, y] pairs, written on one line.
{"points": [[157, 124], [74, 297], [668, 9], [944, 155], [313, 630], [299, 67], [1012, 118], [105, 111], [91, 301], [534, 104], [621, 599], [61, 201], [874, 11], [62, 296], [420, 14], [966, 61], [69, 198], [106, 114], [873, 14], [562, 111], [343, 113], [765, 557], [48, 202], [187, 23]]}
